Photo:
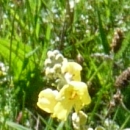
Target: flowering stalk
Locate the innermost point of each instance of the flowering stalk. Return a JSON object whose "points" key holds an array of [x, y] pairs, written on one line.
{"points": [[70, 93]]}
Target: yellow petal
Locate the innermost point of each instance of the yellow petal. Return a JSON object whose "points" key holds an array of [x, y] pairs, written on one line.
{"points": [[73, 69], [62, 110], [75, 92], [47, 100], [82, 91], [64, 105]]}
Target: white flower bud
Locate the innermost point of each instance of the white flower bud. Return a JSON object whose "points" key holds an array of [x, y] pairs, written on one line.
{"points": [[47, 71], [49, 54], [59, 58], [57, 68], [47, 62], [55, 52]]}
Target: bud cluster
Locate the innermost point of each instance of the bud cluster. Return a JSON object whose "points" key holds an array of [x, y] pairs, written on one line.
{"points": [[53, 64]]}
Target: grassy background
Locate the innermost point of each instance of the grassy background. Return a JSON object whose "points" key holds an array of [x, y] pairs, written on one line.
{"points": [[29, 28]]}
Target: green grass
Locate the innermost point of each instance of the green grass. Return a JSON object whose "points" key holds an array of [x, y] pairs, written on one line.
{"points": [[29, 28]]}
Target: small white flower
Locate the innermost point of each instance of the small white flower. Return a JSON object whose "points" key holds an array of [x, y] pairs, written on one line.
{"points": [[72, 3]]}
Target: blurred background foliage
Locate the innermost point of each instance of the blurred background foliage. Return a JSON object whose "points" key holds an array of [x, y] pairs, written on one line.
{"points": [[96, 34]]}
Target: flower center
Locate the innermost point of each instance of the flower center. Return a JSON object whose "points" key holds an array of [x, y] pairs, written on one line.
{"points": [[73, 95]]}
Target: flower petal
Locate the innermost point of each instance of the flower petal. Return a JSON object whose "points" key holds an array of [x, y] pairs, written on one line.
{"points": [[72, 68], [62, 109], [77, 93], [82, 90], [47, 100]]}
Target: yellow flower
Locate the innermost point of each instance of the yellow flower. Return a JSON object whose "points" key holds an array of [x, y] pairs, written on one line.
{"points": [[59, 104], [73, 95], [71, 70], [47, 100]]}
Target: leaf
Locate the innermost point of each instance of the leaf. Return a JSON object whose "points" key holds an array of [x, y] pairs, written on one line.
{"points": [[15, 55], [16, 126], [103, 35]]}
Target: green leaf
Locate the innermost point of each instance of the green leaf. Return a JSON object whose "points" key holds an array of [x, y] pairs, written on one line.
{"points": [[16, 126], [103, 35], [15, 55]]}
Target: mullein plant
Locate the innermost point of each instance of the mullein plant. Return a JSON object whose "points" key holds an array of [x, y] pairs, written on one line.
{"points": [[70, 92]]}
